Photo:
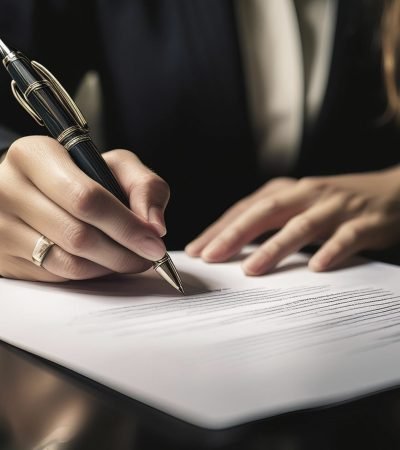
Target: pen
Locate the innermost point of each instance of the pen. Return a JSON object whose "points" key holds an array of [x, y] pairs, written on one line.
{"points": [[44, 98]]}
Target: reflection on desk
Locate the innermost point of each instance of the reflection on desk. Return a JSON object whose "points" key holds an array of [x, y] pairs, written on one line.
{"points": [[41, 404]]}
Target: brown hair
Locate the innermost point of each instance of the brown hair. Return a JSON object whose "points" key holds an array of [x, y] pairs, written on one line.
{"points": [[391, 53]]}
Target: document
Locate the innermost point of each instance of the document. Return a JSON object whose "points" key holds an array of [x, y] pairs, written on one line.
{"points": [[233, 349]]}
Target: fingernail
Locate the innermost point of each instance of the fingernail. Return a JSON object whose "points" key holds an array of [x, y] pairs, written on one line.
{"points": [[212, 252], [151, 248], [261, 261], [252, 266], [156, 218], [318, 264], [190, 249]]}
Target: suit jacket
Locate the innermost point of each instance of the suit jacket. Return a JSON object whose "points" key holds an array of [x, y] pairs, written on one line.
{"points": [[174, 93]]}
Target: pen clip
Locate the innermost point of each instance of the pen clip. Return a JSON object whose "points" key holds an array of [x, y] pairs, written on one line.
{"points": [[62, 94], [23, 101]]}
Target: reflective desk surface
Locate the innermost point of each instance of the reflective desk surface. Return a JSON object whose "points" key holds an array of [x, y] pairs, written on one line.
{"points": [[43, 406]]}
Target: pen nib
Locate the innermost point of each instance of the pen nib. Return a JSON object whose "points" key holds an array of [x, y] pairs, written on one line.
{"points": [[166, 268], [4, 50]]}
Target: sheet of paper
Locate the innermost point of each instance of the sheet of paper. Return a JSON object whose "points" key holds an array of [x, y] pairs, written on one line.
{"points": [[234, 349]]}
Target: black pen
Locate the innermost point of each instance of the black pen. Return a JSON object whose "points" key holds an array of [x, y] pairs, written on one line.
{"points": [[44, 98]]}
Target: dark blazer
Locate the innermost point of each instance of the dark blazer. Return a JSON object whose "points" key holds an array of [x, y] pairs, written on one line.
{"points": [[174, 93]]}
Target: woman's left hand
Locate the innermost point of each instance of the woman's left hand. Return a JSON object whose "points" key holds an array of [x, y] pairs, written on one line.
{"points": [[350, 213]]}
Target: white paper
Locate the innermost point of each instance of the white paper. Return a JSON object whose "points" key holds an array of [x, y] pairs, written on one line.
{"points": [[232, 350]]}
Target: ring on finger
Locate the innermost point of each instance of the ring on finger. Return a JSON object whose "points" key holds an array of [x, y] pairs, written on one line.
{"points": [[42, 248]]}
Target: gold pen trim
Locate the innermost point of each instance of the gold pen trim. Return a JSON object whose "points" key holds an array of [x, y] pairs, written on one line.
{"points": [[69, 132], [36, 86], [157, 264], [62, 94], [13, 56], [76, 140]]}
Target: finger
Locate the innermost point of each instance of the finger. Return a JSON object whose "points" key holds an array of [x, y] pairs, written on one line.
{"points": [[20, 269], [148, 193], [75, 237], [21, 243], [350, 238], [301, 230], [66, 185], [265, 215], [196, 247], [14, 244], [61, 263]]}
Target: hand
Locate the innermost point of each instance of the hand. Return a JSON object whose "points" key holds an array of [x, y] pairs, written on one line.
{"points": [[349, 212], [42, 192]]}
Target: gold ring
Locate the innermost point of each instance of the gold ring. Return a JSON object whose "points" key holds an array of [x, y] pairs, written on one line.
{"points": [[42, 247]]}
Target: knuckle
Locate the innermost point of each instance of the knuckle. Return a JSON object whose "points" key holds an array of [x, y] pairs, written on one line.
{"points": [[310, 183], [18, 150], [351, 233], [77, 237], [303, 225], [24, 147], [280, 182], [157, 184], [272, 205], [357, 203], [340, 197], [85, 199], [272, 248]]}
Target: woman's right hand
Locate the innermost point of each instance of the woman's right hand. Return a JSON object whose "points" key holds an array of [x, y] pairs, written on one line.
{"points": [[42, 192]]}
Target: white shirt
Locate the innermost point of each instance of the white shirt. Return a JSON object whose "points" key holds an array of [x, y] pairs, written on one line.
{"points": [[287, 49]]}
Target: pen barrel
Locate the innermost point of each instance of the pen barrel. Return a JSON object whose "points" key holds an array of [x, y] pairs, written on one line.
{"points": [[89, 160], [62, 125], [22, 72], [41, 97]]}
